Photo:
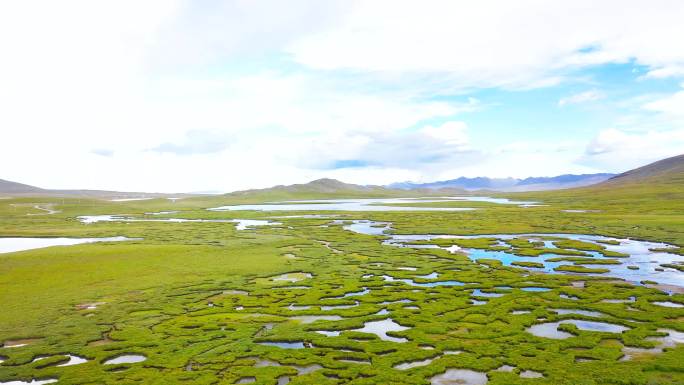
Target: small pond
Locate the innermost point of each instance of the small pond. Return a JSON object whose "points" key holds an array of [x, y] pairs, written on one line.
{"points": [[10, 245], [459, 376], [125, 359], [380, 329], [411, 282], [32, 382], [550, 329], [587, 313], [284, 344], [414, 364], [668, 304]]}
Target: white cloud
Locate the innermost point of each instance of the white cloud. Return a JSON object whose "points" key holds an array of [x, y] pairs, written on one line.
{"points": [[582, 97], [636, 145], [666, 72], [619, 150], [421, 149], [497, 43], [250, 94], [196, 142], [102, 152], [258, 130], [671, 105], [452, 133]]}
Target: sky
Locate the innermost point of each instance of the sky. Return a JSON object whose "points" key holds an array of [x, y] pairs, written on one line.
{"points": [[187, 96]]}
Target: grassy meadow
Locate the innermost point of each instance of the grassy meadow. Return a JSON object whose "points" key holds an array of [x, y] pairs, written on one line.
{"points": [[204, 302]]}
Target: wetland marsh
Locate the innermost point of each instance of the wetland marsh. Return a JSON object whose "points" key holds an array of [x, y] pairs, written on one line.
{"points": [[360, 294]]}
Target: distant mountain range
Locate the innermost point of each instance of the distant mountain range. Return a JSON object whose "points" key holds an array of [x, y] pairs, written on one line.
{"points": [[510, 184], [335, 189]]}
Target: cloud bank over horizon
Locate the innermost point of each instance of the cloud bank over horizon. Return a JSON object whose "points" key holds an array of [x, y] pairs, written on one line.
{"points": [[175, 96]]}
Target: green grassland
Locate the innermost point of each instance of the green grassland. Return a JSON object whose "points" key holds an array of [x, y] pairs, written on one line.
{"points": [[196, 299]]}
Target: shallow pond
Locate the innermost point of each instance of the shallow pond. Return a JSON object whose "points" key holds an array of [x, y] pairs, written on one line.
{"points": [[535, 289], [459, 376], [18, 343], [32, 382], [380, 329], [411, 282], [414, 364], [244, 224], [432, 275], [74, 360], [284, 380], [366, 204], [672, 339], [480, 293], [611, 300], [9, 245], [550, 329], [587, 313], [337, 307], [354, 361], [284, 344], [668, 304], [291, 277], [125, 359], [519, 312], [359, 293], [367, 227]]}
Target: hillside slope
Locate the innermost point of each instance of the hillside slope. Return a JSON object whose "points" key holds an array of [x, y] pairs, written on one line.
{"points": [[9, 187], [656, 188], [667, 171]]}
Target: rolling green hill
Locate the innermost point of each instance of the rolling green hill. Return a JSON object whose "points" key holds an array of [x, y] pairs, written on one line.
{"points": [[654, 188], [668, 171]]}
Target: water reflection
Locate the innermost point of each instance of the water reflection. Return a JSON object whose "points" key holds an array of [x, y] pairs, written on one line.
{"points": [[373, 204]]}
